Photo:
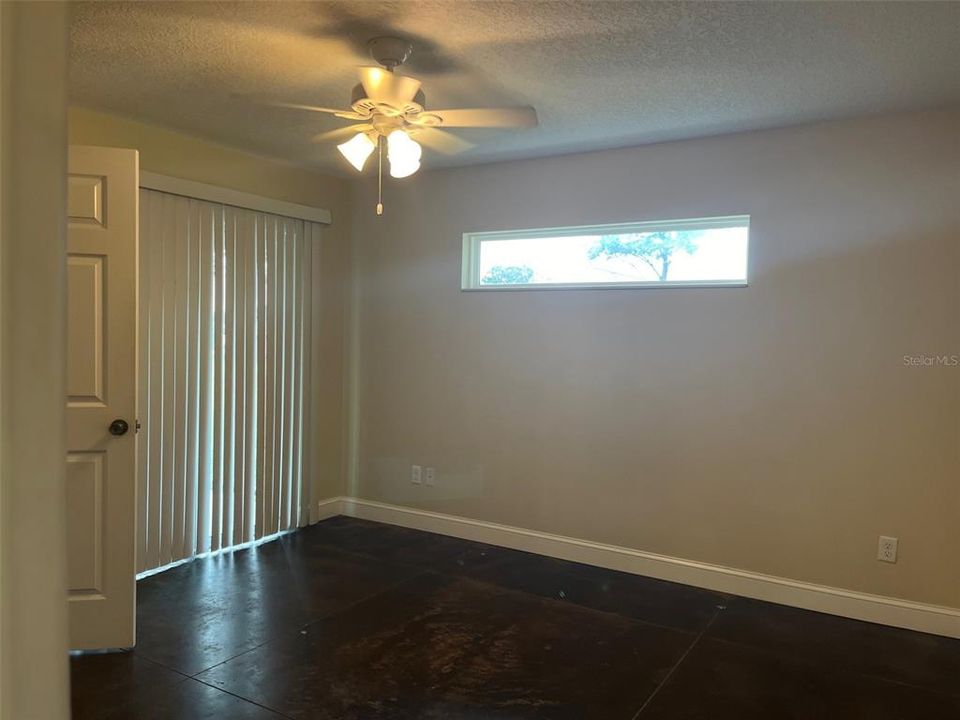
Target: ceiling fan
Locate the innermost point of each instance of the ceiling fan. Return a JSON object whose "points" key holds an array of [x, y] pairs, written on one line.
{"points": [[391, 109]]}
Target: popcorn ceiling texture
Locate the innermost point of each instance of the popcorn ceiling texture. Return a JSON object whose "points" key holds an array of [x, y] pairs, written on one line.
{"points": [[601, 74]]}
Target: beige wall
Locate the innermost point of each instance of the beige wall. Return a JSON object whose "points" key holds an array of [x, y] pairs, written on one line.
{"points": [[773, 428], [34, 684], [172, 153]]}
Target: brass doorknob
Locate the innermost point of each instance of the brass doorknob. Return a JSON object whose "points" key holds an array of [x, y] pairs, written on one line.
{"points": [[119, 427]]}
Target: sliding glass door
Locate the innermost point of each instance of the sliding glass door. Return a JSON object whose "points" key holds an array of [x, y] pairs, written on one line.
{"points": [[224, 376]]}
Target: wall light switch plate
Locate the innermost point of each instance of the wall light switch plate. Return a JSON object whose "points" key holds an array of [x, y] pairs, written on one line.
{"points": [[430, 477], [416, 474], [887, 549]]}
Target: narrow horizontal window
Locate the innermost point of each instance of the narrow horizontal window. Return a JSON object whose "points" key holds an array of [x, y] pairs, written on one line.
{"points": [[706, 252]]}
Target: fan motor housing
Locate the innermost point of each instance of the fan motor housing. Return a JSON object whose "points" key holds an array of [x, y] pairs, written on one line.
{"points": [[390, 51], [364, 105]]}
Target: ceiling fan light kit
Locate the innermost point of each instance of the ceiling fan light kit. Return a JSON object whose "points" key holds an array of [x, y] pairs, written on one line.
{"points": [[357, 150], [391, 109], [403, 154]]}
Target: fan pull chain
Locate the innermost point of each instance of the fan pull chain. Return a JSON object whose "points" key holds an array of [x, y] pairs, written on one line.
{"points": [[380, 175]]}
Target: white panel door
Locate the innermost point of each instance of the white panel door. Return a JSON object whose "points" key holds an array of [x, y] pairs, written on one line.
{"points": [[101, 395]]}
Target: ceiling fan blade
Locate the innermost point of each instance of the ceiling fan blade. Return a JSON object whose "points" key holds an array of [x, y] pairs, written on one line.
{"points": [[488, 117], [383, 86], [440, 140], [340, 133], [351, 116], [298, 106]]}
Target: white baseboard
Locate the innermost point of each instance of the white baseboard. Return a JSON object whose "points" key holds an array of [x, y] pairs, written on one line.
{"points": [[835, 601], [331, 507]]}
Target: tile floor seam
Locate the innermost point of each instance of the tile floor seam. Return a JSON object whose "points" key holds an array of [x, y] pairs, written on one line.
{"points": [[725, 598], [244, 699], [366, 556], [839, 670], [722, 597], [370, 596], [303, 627], [679, 662], [196, 675], [416, 572], [142, 656], [360, 553], [585, 572], [569, 603]]}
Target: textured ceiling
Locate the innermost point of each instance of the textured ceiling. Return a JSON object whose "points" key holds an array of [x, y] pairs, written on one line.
{"points": [[601, 74]]}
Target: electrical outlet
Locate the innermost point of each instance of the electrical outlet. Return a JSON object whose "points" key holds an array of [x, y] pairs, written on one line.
{"points": [[887, 549], [430, 477], [416, 474]]}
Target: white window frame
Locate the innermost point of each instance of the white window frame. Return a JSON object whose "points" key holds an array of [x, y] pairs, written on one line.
{"points": [[470, 268]]}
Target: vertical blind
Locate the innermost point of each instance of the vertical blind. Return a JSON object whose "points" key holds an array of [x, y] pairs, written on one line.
{"points": [[224, 376]]}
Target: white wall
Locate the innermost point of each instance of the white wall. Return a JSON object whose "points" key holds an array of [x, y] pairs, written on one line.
{"points": [[34, 683], [773, 428]]}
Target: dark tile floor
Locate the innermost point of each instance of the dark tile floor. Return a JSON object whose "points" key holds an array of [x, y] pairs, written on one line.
{"points": [[356, 620]]}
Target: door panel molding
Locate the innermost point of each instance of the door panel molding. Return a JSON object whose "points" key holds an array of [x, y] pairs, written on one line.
{"points": [[85, 551], [85, 199], [86, 380]]}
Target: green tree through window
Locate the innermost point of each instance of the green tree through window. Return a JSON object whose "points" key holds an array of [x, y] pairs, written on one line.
{"points": [[508, 275], [656, 250]]}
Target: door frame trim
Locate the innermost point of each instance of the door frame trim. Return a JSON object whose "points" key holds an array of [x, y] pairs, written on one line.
{"points": [[34, 670]]}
